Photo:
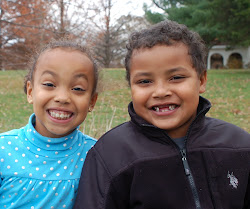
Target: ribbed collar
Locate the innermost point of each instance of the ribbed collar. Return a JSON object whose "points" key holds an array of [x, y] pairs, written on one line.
{"points": [[49, 147]]}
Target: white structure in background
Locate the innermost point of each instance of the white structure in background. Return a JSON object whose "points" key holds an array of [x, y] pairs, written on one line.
{"points": [[219, 56]]}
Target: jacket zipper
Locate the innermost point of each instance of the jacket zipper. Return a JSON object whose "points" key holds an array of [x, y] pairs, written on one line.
{"points": [[190, 178], [185, 162], [187, 168]]}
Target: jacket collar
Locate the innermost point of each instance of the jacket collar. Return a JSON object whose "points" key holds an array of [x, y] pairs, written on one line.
{"points": [[155, 132]]}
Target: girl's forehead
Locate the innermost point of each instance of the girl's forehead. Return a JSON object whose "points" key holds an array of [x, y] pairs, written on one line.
{"points": [[59, 59], [55, 54], [54, 51]]}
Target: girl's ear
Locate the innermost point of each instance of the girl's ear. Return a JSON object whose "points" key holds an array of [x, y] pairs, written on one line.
{"points": [[93, 101], [29, 92], [203, 82]]}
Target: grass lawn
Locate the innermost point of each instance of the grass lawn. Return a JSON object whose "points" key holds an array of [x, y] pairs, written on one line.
{"points": [[228, 90]]}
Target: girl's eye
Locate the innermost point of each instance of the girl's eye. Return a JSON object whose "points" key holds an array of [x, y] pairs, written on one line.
{"points": [[144, 81], [78, 89], [49, 84]]}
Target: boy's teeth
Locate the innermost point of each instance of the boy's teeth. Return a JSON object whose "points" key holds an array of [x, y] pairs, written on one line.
{"points": [[59, 115], [171, 107], [166, 109]]}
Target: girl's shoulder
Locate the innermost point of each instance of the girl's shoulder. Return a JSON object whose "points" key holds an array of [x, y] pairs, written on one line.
{"points": [[85, 136], [11, 133], [87, 141]]}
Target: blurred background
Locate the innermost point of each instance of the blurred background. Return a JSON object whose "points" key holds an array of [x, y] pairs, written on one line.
{"points": [[104, 25]]}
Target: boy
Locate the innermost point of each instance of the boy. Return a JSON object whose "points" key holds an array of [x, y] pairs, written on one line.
{"points": [[170, 155]]}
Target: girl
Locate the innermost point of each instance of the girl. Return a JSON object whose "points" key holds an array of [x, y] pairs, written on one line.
{"points": [[41, 163]]}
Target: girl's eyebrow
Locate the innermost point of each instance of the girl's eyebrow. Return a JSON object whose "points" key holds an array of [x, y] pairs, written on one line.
{"points": [[81, 75], [142, 74], [49, 72]]}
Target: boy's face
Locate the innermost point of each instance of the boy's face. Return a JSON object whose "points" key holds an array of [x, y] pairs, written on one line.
{"points": [[165, 87], [61, 91]]}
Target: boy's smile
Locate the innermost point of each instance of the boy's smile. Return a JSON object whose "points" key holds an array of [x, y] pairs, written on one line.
{"points": [[61, 91], [165, 87]]}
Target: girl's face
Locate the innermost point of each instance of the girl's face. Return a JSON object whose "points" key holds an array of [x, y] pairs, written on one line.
{"points": [[61, 91]]}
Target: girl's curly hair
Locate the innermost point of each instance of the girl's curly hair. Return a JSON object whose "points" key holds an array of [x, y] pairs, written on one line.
{"points": [[62, 43]]}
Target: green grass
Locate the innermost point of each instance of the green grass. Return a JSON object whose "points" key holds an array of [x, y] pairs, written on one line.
{"points": [[228, 90]]}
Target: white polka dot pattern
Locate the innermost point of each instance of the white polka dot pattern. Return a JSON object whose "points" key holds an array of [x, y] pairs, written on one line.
{"points": [[38, 172]]}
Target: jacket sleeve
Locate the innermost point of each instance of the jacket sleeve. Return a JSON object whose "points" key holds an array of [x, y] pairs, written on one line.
{"points": [[94, 183]]}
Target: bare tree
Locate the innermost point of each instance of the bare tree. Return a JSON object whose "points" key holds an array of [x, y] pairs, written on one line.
{"points": [[21, 23], [73, 16], [26, 24], [112, 32]]}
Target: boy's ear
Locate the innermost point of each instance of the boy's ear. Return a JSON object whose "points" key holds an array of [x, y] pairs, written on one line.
{"points": [[29, 92], [93, 101], [203, 82]]}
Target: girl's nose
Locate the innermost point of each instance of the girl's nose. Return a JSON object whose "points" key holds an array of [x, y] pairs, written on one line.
{"points": [[62, 96], [161, 90]]}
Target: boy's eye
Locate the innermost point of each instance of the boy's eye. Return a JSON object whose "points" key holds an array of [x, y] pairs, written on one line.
{"points": [[78, 89], [49, 84], [177, 77]]}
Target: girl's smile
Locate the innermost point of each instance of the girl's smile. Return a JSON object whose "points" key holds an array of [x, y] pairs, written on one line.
{"points": [[64, 116]]}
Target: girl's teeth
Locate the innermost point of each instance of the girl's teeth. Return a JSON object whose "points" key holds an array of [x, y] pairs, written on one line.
{"points": [[60, 115]]}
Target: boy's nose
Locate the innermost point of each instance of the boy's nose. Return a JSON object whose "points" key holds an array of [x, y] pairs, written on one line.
{"points": [[62, 96], [161, 90]]}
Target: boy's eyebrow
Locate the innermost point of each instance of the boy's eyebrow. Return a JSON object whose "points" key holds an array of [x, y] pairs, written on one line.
{"points": [[168, 71], [175, 69]]}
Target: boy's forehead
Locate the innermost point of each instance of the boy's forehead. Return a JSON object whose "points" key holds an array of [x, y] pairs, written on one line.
{"points": [[162, 56], [159, 48], [137, 51]]}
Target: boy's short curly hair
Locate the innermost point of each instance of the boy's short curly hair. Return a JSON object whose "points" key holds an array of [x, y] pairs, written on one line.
{"points": [[62, 43], [168, 33]]}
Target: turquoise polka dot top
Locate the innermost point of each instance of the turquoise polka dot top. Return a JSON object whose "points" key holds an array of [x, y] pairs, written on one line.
{"points": [[39, 172]]}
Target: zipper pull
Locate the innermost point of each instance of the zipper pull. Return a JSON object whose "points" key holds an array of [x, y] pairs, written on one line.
{"points": [[184, 161]]}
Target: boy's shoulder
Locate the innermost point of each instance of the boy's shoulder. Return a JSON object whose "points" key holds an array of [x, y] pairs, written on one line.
{"points": [[224, 125], [118, 138], [219, 129], [118, 129], [124, 131], [120, 147]]}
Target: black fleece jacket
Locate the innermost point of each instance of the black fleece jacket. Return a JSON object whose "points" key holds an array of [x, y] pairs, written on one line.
{"points": [[137, 166]]}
